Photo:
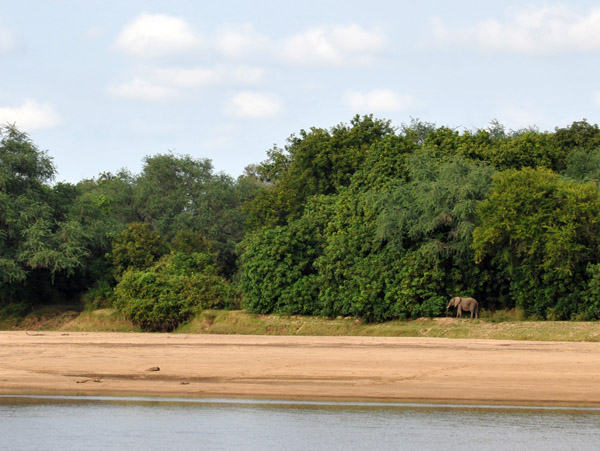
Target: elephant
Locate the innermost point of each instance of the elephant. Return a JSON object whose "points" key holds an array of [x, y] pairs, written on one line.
{"points": [[464, 305]]}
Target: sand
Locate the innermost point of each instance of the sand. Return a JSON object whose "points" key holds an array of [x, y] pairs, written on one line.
{"points": [[424, 370]]}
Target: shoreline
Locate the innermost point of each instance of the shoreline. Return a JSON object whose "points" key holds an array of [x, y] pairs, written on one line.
{"points": [[237, 401], [423, 371]]}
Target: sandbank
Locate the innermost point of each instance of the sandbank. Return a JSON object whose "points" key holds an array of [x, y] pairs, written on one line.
{"points": [[426, 370]]}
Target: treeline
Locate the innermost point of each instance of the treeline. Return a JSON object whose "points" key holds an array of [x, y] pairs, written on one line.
{"points": [[158, 245], [363, 219]]}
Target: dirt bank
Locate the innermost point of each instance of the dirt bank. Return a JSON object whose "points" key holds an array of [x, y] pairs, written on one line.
{"points": [[357, 368]]}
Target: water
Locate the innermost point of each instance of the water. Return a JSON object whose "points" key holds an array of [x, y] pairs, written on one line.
{"points": [[104, 423]]}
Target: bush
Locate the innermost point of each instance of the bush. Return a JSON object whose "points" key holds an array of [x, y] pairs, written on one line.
{"points": [[163, 296], [138, 246], [503, 315], [277, 273], [16, 309], [99, 296]]}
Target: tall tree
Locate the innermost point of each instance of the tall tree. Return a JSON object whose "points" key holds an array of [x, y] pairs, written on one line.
{"points": [[175, 193], [542, 232], [36, 240], [315, 162], [277, 271]]}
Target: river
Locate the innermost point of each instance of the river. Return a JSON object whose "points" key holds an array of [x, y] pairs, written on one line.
{"points": [[107, 423]]}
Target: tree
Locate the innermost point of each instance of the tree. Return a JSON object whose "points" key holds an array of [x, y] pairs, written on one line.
{"points": [[431, 219], [542, 232], [401, 251], [103, 206], [175, 193], [316, 162], [356, 267], [584, 165], [110, 198], [277, 272], [137, 247], [581, 141], [527, 149], [168, 190], [38, 242], [579, 135]]}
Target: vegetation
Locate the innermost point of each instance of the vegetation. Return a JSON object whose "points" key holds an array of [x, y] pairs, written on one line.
{"points": [[424, 214], [363, 220], [501, 325]]}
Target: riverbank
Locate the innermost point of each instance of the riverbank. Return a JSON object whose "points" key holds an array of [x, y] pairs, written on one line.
{"points": [[501, 325], [431, 370]]}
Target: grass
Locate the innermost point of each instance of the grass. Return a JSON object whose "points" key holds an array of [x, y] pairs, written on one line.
{"points": [[70, 318], [101, 320], [500, 325], [240, 322]]}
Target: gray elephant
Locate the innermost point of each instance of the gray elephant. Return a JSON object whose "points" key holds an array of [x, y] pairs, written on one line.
{"points": [[464, 305]]}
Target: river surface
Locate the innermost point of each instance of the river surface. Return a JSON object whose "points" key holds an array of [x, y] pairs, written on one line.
{"points": [[106, 423]]}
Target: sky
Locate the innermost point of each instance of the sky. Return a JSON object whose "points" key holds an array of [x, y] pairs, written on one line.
{"points": [[101, 84]]}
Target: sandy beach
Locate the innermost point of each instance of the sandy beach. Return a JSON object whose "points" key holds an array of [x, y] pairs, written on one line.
{"points": [[318, 368]]}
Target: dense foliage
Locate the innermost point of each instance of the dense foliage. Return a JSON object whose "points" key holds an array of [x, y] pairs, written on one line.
{"points": [[422, 214], [362, 220]]}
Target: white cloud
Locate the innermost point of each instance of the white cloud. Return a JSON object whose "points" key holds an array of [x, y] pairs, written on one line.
{"points": [[378, 101], [7, 41], [241, 42], [156, 35], [189, 78], [254, 105], [142, 89], [334, 45], [31, 115], [547, 30], [167, 83]]}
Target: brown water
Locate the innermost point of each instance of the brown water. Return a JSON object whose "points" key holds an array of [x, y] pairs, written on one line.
{"points": [[146, 424]]}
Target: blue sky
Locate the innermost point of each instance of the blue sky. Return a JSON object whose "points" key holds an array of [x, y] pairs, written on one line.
{"points": [[100, 84]]}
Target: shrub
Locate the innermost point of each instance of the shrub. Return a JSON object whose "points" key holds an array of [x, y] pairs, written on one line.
{"points": [[138, 246], [99, 296], [159, 298]]}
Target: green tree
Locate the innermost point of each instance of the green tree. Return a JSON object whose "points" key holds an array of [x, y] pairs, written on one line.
{"points": [[111, 197], [104, 207], [316, 162], [402, 250], [356, 267], [584, 165], [38, 243], [277, 272], [169, 190], [527, 149], [136, 247], [579, 135], [175, 193], [542, 231], [432, 218]]}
